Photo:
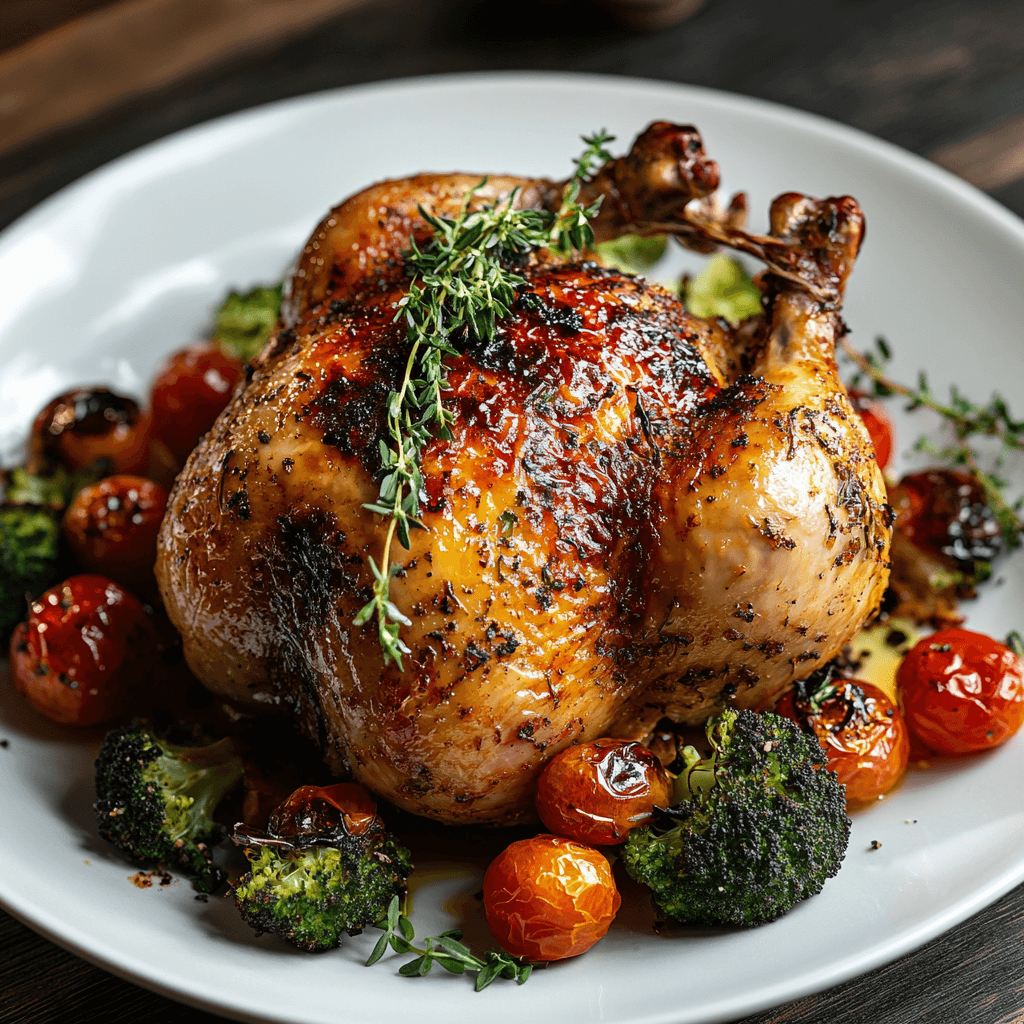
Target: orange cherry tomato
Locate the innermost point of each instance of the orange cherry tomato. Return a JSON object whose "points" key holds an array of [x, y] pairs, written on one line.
{"points": [[863, 733], [879, 425], [112, 526], [189, 394], [962, 691], [596, 792], [87, 645], [549, 898], [87, 426]]}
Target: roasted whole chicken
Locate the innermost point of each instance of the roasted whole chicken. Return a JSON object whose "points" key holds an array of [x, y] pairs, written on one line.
{"points": [[641, 514]]}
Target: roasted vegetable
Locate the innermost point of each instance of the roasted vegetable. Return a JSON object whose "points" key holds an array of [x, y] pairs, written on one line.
{"points": [[324, 867], [244, 320], [635, 254], [155, 800], [723, 288], [759, 826], [30, 509]]}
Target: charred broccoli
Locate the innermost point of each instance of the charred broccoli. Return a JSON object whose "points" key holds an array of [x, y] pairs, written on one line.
{"points": [[759, 826], [30, 509], [244, 321], [155, 800], [325, 866]]}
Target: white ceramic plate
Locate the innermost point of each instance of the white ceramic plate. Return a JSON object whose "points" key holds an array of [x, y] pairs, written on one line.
{"points": [[99, 282]]}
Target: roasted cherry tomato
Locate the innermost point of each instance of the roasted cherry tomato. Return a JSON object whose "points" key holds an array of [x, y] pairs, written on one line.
{"points": [[89, 426], [945, 513], [962, 691], [316, 808], [598, 791], [111, 528], [879, 426], [87, 645], [863, 733], [549, 898], [189, 394]]}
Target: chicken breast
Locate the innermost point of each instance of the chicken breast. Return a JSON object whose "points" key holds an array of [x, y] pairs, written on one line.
{"points": [[640, 513]]}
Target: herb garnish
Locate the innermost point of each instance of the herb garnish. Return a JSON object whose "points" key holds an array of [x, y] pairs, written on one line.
{"points": [[462, 284], [966, 420], [446, 951]]}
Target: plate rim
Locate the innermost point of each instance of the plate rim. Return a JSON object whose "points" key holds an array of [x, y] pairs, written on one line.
{"points": [[992, 212]]}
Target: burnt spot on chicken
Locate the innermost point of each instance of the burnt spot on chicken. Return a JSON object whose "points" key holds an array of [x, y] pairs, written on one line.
{"points": [[238, 503], [352, 417]]}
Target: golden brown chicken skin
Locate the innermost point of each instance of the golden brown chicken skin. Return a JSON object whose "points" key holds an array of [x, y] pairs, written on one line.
{"points": [[640, 512]]}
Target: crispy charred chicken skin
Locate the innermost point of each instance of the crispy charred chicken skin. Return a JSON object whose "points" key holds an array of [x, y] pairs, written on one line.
{"points": [[641, 513]]}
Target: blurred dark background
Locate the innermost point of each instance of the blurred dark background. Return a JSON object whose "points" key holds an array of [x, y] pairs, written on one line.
{"points": [[84, 81]]}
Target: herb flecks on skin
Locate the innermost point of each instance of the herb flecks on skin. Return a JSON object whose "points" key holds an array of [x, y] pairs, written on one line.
{"points": [[446, 951], [462, 284], [966, 420]]}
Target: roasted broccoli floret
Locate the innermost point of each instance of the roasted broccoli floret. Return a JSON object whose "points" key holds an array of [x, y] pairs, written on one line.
{"points": [[30, 510], [28, 560], [244, 320], [155, 800], [759, 826], [633, 253], [723, 288], [326, 866]]}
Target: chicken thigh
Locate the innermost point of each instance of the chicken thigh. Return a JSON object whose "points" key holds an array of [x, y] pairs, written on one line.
{"points": [[640, 514]]}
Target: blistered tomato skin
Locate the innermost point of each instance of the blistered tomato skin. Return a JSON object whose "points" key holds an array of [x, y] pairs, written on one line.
{"points": [[112, 526], [87, 645], [87, 426], [962, 692], [597, 792], [863, 733], [879, 426], [189, 394], [549, 898]]}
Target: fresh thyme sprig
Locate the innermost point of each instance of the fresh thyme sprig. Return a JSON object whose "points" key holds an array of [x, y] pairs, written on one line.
{"points": [[445, 950], [463, 283], [966, 420]]}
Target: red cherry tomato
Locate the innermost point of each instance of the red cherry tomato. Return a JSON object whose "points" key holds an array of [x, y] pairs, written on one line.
{"points": [[316, 808], [863, 733], [112, 526], [945, 513], [962, 691], [549, 898], [879, 426], [87, 645], [87, 426], [189, 394], [598, 791]]}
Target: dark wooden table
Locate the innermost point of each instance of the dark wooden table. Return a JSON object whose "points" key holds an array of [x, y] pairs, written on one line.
{"points": [[944, 79]]}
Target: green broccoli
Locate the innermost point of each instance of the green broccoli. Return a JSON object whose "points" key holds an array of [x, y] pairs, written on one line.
{"points": [[243, 322], [30, 510], [759, 826], [723, 288], [155, 800], [635, 254], [317, 875]]}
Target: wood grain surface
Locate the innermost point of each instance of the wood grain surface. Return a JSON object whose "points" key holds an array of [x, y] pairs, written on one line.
{"points": [[939, 77], [130, 48]]}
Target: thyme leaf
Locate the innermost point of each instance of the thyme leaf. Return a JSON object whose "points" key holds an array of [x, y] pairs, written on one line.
{"points": [[446, 950], [966, 420], [462, 283]]}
